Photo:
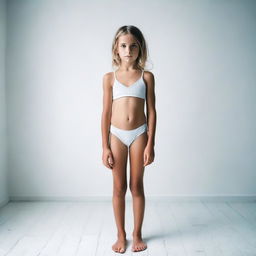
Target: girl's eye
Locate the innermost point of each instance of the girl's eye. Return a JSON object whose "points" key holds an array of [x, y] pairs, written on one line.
{"points": [[123, 45]]}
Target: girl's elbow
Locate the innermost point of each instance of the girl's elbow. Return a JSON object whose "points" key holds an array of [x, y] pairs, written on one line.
{"points": [[106, 114], [151, 111]]}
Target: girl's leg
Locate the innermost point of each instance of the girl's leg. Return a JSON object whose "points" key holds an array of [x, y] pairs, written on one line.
{"points": [[136, 152], [120, 152]]}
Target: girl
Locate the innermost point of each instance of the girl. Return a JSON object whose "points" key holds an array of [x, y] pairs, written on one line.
{"points": [[125, 128]]}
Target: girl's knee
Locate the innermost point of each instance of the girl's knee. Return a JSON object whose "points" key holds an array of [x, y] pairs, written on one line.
{"points": [[120, 191], [137, 190]]}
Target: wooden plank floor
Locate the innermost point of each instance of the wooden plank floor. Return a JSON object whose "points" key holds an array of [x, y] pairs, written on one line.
{"points": [[88, 228]]}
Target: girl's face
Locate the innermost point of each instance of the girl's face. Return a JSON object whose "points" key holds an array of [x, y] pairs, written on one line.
{"points": [[127, 48]]}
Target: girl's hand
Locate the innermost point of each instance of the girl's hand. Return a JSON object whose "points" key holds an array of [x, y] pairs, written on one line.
{"points": [[149, 155], [107, 158]]}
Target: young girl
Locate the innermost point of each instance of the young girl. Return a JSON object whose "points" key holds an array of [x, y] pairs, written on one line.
{"points": [[125, 128]]}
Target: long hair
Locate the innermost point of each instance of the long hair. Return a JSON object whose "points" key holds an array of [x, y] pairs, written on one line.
{"points": [[143, 51]]}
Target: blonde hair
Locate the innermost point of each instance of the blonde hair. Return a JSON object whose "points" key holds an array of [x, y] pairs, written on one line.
{"points": [[143, 51]]}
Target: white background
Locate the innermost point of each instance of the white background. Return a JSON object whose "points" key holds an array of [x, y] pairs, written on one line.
{"points": [[53, 57]]}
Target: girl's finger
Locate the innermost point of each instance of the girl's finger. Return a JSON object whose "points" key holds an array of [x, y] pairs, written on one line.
{"points": [[145, 159], [107, 164], [111, 162]]}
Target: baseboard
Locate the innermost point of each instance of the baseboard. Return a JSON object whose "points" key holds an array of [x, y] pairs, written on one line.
{"points": [[163, 198], [4, 202]]}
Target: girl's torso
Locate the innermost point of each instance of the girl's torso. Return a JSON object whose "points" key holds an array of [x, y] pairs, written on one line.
{"points": [[128, 103]]}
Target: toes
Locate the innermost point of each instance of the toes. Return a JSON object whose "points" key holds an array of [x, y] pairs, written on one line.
{"points": [[137, 248], [141, 248], [115, 248], [118, 249]]}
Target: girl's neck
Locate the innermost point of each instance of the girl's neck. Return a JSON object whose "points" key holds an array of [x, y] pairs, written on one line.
{"points": [[127, 67]]}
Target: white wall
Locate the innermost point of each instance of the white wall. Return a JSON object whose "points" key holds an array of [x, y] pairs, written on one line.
{"points": [[203, 56], [3, 163]]}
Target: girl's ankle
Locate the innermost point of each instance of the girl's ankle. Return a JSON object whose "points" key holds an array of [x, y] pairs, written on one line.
{"points": [[136, 234], [121, 234]]}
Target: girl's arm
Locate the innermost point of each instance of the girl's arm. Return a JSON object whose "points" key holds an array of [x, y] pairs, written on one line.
{"points": [[106, 113], [151, 111]]}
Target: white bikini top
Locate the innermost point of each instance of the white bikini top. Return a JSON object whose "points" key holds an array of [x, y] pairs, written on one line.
{"points": [[137, 89]]}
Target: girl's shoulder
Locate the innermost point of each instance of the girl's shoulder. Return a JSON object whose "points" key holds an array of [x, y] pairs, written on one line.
{"points": [[108, 74], [148, 73], [108, 78], [148, 76]]}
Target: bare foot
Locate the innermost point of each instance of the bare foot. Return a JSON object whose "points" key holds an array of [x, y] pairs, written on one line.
{"points": [[119, 245], [138, 244]]}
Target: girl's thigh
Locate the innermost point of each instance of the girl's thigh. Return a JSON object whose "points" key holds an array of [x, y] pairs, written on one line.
{"points": [[120, 155], [136, 153]]}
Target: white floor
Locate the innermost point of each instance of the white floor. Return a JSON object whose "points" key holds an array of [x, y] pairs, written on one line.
{"points": [[88, 228]]}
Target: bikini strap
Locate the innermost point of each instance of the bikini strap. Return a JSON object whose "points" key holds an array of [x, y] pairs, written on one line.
{"points": [[115, 74]]}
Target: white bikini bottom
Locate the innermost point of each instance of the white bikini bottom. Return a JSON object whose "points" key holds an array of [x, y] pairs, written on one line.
{"points": [[128, 136]]}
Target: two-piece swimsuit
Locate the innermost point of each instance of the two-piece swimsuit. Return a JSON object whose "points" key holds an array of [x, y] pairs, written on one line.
{"points": [[137, 89]]}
